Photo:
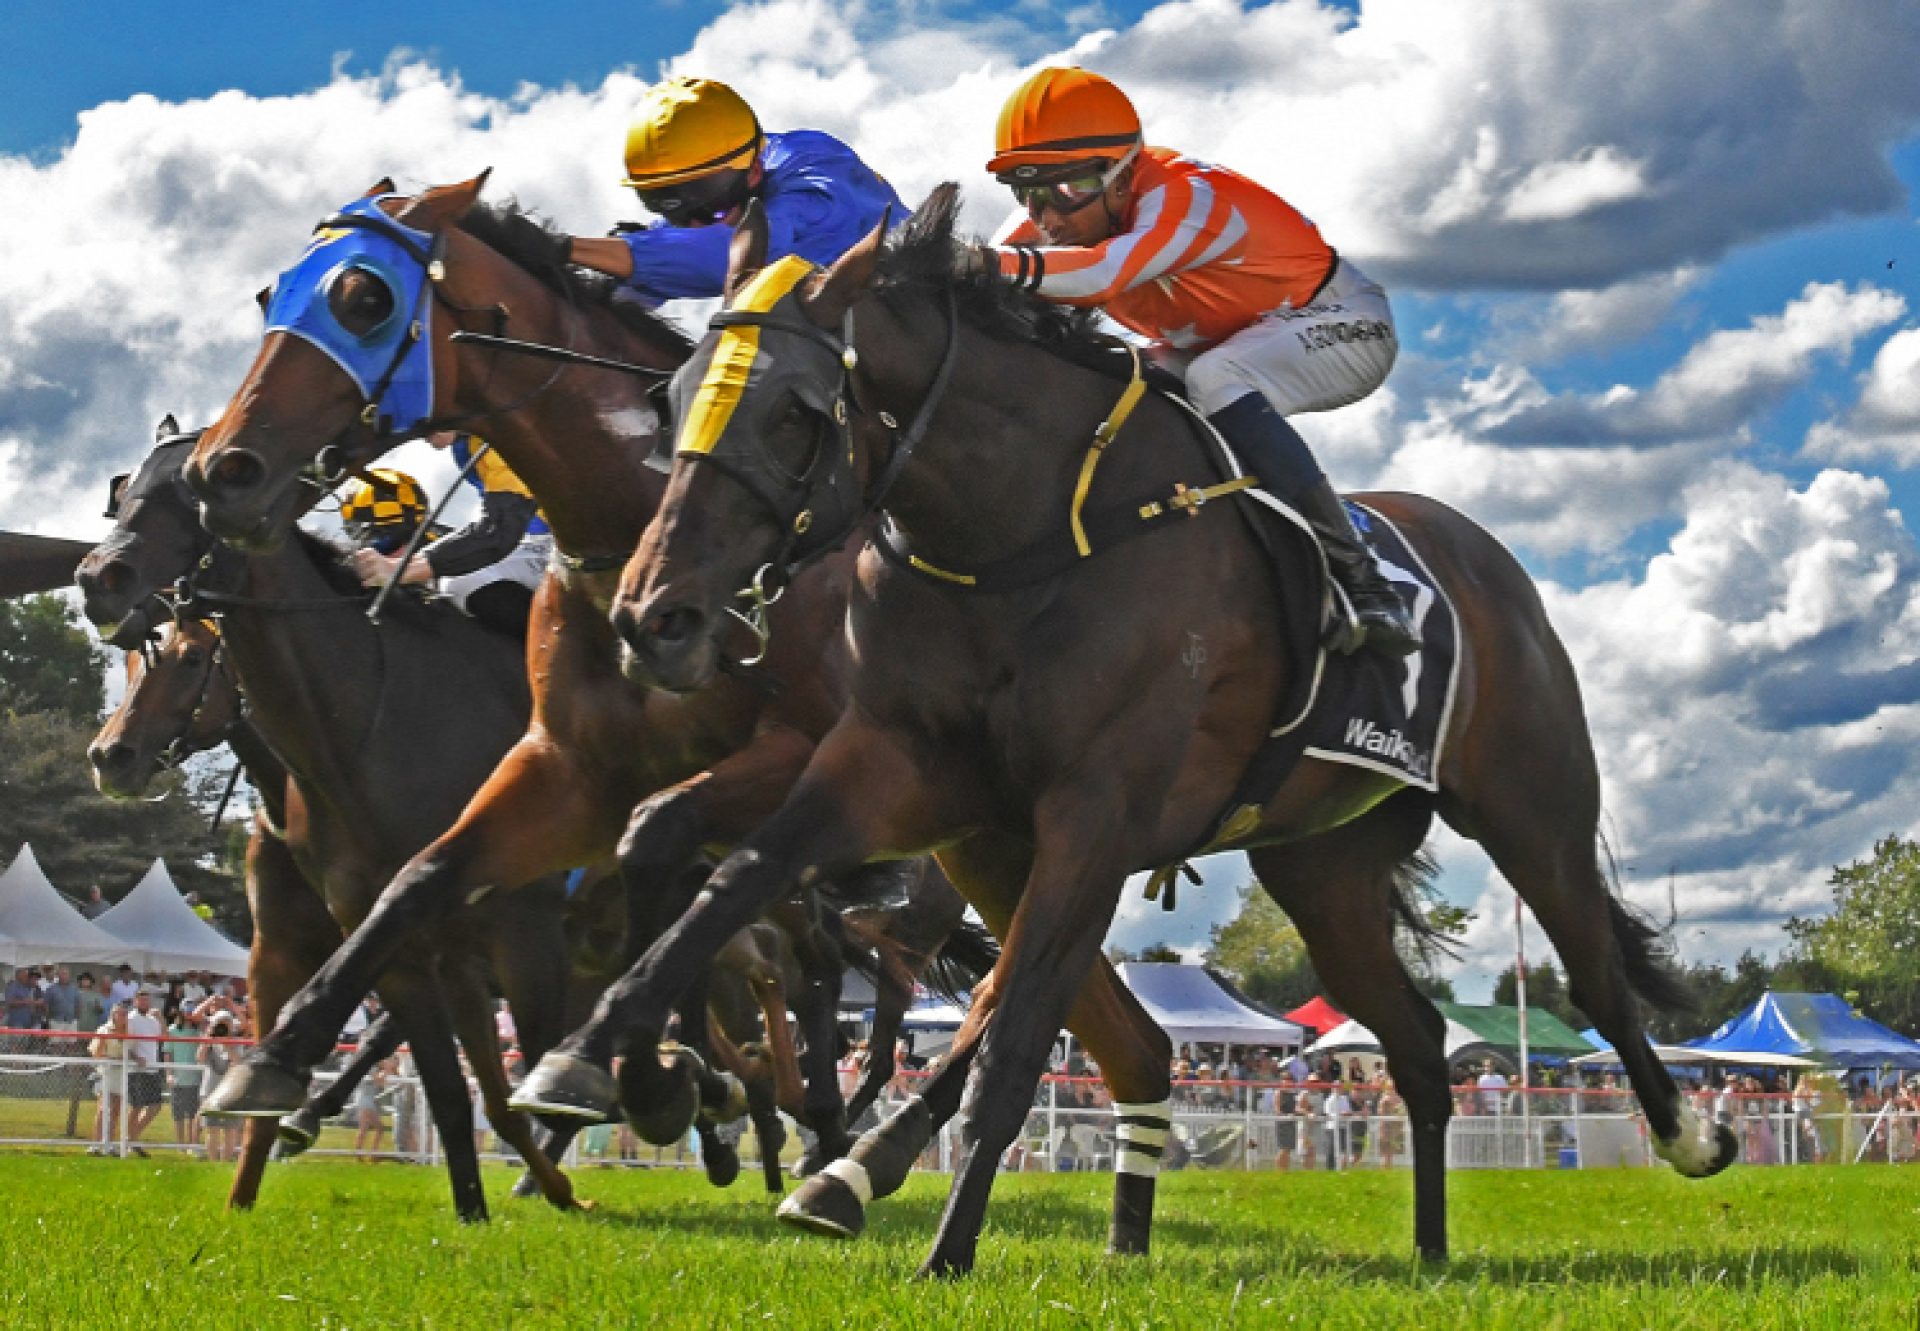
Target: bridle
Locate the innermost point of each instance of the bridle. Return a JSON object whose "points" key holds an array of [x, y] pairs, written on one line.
{"points": [[795, 499]]}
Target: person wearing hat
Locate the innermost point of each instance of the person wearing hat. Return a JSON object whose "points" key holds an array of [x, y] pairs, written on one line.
{"points": [[490, 568], [696, 154], [1216, 272]]}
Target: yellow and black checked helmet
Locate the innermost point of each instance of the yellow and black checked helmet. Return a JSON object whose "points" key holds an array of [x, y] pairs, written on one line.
{"points": [[385, 512]]}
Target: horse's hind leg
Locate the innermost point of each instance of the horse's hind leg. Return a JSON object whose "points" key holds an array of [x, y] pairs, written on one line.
{"points": [[1608, 955], [414, 997], [1336, 887]]}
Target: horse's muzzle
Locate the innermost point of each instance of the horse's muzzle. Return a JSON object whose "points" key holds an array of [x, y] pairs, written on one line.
{"points": [[669, 647]]}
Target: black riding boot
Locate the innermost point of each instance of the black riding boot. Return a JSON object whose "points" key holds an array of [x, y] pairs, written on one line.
{"points": [[1278, 457]]}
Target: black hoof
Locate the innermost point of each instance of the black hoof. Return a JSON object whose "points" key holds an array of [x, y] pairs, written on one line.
{"points": [[570, 1086], [723, 1098], [257, 1089], [661, 1107], [721, 1160], [942, 1267], [297, 1132], [824, 1205], [526, 1186], [1726, 1149]]}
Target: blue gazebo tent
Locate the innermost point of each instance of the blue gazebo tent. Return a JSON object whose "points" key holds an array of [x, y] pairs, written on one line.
{"points": [[1817, 1026]]}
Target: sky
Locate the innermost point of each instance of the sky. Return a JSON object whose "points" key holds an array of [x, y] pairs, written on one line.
{"points": [[1653, 270]]}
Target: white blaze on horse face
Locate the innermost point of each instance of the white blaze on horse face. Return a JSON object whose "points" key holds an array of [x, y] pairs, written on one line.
{"points": [[631, 422], [1692, 1149]]}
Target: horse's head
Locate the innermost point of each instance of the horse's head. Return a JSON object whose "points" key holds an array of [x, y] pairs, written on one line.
{"points": [[156, 539], [180, 701], [770, 457], [353, 362]]}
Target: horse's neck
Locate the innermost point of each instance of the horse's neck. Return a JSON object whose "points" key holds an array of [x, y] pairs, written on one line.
{"points": [[998, 466], [312, 676], [265, 772], [580, 442]]}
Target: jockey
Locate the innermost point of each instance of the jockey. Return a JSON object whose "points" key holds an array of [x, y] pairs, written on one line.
{"points": [[1216, 270], [695, 155], [491, 567]]}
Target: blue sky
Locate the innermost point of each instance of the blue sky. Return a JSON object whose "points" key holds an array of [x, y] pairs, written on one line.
{"points": [[1655, 282]]}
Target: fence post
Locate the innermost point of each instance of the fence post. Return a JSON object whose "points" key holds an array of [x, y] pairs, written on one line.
{"points": [[126, 1096]]}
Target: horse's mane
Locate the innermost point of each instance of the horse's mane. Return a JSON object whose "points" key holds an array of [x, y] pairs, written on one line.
{"points": [[923, 256], [333, 562], [528, 241]]}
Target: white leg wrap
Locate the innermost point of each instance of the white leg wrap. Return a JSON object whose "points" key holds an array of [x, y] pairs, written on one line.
{"points": [[1143, 1132], [1691, 1152], [854, 1174]]}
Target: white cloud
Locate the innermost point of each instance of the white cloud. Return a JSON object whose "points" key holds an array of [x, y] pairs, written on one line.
{"points": [[1884, 423], [1561, 191], [1572, 322]]}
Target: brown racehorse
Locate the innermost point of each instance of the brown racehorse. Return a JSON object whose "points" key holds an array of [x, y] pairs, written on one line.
{"points": [[351, 709], [1064, 716], [703, 769], [183, 697]]}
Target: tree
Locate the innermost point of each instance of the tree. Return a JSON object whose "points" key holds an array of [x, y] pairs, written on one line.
{"points": [[48, 662], [1546, 990], [82, 838], [1151, 952], [1870, 944]]}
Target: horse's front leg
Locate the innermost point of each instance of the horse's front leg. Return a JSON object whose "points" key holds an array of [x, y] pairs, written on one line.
{"points": [[537, 814], [858, 795], [1078, 871]]}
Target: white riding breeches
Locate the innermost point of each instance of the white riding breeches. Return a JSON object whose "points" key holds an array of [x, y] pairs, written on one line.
{"points": [[526, 565], [1318, 357]]}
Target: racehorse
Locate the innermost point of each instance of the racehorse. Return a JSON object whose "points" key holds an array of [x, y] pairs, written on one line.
{"points": [[703, 770], [1026, 676], [182, 699], [383, 731]]}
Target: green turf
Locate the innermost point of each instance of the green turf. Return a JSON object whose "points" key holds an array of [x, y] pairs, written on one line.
{"points": [[109, 1243]]}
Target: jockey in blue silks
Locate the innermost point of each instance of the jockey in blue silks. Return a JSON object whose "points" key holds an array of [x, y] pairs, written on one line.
{"points": [[695, 155]]}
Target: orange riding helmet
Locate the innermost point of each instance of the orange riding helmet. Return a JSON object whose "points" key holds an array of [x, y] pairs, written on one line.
{"points": [[1061, 116]]}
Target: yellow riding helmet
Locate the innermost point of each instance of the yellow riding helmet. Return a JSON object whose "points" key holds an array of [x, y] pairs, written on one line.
{"points": [[688, 128], [1061, 116], [391, 502]]}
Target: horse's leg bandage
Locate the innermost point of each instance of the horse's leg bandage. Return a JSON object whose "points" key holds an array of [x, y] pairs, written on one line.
{"points": [[1143, 1131]]}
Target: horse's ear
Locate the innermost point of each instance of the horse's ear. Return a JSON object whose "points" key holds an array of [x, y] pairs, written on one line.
{"points": [[444, 205], [384, 185], [829, 296], [166, 429], [263, 298], [748, 253]]}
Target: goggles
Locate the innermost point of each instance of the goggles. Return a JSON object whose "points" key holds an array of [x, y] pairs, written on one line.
{"points": [[1073, 188], [698, 202]]}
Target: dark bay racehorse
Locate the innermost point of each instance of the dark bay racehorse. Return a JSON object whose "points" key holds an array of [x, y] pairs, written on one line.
{"points": [[1062, 719], [383, 731], [702, 769], [183, 699]]}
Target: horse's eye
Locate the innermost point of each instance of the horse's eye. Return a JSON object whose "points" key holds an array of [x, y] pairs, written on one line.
{"points": [[360, 300]]}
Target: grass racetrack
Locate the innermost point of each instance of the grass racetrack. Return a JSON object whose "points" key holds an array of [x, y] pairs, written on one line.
{"points": [[131, 1243]]}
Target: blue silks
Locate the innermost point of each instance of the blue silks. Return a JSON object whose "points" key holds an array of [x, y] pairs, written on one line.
{"points": [[393, 364]]}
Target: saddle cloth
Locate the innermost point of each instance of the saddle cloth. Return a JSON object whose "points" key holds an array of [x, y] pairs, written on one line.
{"points": [[1390, 713]]}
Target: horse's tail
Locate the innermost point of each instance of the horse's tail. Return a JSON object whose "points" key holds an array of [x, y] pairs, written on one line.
{"points": [[1412, 883], [964, 960], [1646, 950]]}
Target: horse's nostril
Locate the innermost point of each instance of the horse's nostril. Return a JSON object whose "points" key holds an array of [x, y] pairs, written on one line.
{"points": [[109, 756], [113, 577], [673, 626], [236, 471]]}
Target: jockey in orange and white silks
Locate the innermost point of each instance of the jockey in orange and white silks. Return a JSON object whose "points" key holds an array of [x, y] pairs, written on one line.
{"points": [[1221, 274]]}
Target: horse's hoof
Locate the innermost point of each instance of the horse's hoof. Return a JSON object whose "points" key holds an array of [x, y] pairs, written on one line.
{"points": [[661, 1108], [941, 1266], [824, 1205], [1726, 1148], [570, 1086], [525, 1186], [722, 1162], [257, 1089], [297, 1132]]}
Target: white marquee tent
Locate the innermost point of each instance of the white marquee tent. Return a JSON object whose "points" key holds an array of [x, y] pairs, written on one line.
{"points": [[43, 928], [1350, 1037], [1194, 1007], [156, 921]]}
